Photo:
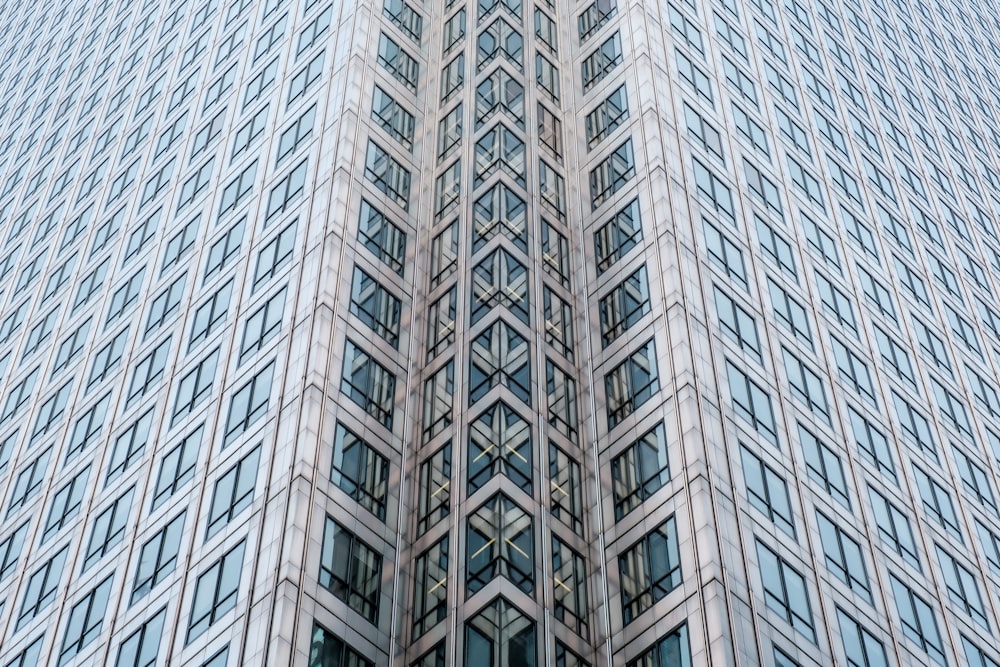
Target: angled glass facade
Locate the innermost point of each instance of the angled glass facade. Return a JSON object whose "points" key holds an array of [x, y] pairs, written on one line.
{"points": [[499, 332]]}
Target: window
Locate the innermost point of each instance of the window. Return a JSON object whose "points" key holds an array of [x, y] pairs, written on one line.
{"points": [[547, 77], [618, 236], [725, 253], [649, 570], [739, 81], [731, 37], [976, 656], [975, 480], [215, 591], [387, 174], [384, 239], [610, 114], [369, 384], [210, 313], [500, 280], [30, 656], [560, 392], [390, 116], [751, 402], [454, 30], [912, 283], [872, 443], [260, 82], [158, 557], [326, 649], [351, 570], [10, 549], [237, 189], [248, 133], [275, 255], [249, 403], [109, 528], [85, 620], [601, 61], [314, 30], [195, 385], [836, 303], [375, 306], [894, 527], [630, 384], [550, 130], [877, 294], [640, 471], [790, 313], [430, 588], [142, 646], [962, 587], [360, 471], [449, 131], [166, 303], [951, 408], [398, 62], [434, 500], [711, 189], [148, 371], [305, 77], [208, 133], [737, 323], [500, 443], [452, 76], [569, 586], [686, 29], [262, 325], [595, 15], [764, 188], [233, 492], [695, 77], [140, 237], [65, 504], [500, 39], [86, 428], [499, 92], [611, 174], [552, 189], [499, 149], [862, 648], [565, 488], [704, 132], [805, 384], [673, 650], [125, 296], [624, 306], [917, 619], [937, 502], [178, 466], [843, 556], [29, 481], [824, 466], [555, 253], [52, 410], [915, 427], [767, 491], [853, 371], [785, 591], [441, 323], [42, 587], [776, 248], [558, 323], [500, 542]]}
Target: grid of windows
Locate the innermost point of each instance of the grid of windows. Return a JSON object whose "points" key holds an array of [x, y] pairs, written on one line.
{"points": [[861, 141]]}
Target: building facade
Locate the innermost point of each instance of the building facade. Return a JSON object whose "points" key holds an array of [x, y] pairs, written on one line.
{"points": [[499, 332]]}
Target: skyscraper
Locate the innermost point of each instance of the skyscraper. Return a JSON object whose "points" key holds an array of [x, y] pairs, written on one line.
{"points": [[505, 332]]}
